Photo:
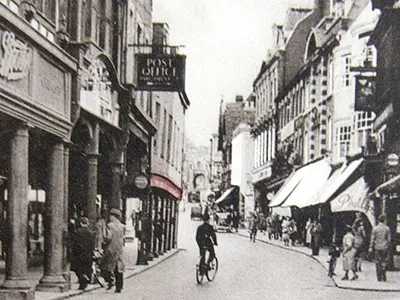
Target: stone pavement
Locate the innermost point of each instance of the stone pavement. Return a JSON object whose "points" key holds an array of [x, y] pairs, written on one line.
{"points": [[367, 278], [131, 269]]}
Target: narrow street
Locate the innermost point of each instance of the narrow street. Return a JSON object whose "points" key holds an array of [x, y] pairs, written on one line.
{"points": [[247, 269]]}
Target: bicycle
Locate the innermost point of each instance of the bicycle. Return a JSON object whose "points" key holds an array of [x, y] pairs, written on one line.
{"points": [[203, 269], [96, 272]]}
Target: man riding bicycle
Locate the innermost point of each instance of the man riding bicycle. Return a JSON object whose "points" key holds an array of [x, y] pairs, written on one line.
{"points": [[206, 239]]}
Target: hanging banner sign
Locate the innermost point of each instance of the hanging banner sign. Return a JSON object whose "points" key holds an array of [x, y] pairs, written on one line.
{"points": [[157, 72], [365, 93], [354, 198]]}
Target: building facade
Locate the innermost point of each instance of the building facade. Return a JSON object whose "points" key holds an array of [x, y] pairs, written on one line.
{"points": [[242, 165], [167, 157], [80, 129], [231, 115]]}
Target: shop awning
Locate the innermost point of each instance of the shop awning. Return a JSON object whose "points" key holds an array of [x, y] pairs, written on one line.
{"points": [[316, 176], [299, 181], [392, 185], [225, 195], [334, 183], [355, 198]]}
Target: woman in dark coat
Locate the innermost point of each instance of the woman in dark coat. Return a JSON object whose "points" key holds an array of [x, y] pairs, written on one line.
{"points": [[316, 237], [82, 247]]}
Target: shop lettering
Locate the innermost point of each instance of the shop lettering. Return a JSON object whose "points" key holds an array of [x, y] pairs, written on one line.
{"points": [[16, 58], [346, 202], [158, 67]]}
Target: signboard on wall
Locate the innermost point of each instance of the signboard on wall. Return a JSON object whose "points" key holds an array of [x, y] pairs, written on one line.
{"points": [[157, 72], [365, 93]]}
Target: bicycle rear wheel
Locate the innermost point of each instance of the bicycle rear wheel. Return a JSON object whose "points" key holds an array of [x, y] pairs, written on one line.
{"points": [[199, 274], [212, 271]]}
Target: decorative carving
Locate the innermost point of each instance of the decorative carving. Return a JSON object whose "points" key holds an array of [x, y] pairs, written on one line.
{"points": [[16, 58]]}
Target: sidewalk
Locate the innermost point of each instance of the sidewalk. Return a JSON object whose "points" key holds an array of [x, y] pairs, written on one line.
{"points": [[367, 278], [131, 269]]}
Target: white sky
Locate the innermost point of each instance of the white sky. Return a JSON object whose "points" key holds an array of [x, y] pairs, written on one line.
{"points": [[226, 41]]}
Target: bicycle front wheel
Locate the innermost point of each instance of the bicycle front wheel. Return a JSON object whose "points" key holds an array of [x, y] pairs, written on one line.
{"points": [[212, 271]]}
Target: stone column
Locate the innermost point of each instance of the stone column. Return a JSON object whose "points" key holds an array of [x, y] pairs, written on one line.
{"points": [[93, 158], [53, 279], [155, 238], [16, 285], [115, 186], [66, 272], [171, 202], [167, 221], [149, 243], [165, 227], [161, 242]]}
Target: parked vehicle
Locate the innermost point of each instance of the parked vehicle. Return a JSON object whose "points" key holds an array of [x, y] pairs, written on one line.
{"points": [[222, 221]]}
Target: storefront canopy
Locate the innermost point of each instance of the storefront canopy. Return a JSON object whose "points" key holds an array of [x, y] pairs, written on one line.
{"points": [[355, 198], [316, 176], [300, 183], [225, 195], [390, 186], [333, 184]]}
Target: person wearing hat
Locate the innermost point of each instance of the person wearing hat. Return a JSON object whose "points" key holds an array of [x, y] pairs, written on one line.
{"points": [[82, 247], [206, 239], [380, 245], [112, 265]]}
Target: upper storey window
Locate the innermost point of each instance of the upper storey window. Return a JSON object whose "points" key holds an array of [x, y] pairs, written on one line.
{"points": [[47, 8]]}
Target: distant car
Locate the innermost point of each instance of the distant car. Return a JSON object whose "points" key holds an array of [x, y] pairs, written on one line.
{"points": [[221, 221], [196, 213]]}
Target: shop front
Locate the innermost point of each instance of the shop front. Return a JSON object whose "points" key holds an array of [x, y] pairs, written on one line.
{"points": [[36, 80], [164, 208]]}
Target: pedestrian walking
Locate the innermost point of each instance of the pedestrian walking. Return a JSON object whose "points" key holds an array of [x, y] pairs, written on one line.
{"points": [[112, 265], [379, 246], [285, 231], [262, 225], [308, 229], [82, 247], [349, 253], [293, 231], [235, 220], [334, 253], [359, 243], [253, 225], [316, 231]]}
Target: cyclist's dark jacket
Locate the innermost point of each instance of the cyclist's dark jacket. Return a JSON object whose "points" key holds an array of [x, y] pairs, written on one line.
{"points": [[205, 235]]}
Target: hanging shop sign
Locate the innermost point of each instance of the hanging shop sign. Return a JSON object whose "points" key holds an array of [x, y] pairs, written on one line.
{"points": [[141, 182], [160, 72], [365, 93], [165, 184], [98, 96], [392, 159]]}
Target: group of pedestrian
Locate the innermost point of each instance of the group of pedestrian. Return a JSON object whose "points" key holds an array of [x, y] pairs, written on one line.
{"points": [[355, 248], [85, 241]]}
